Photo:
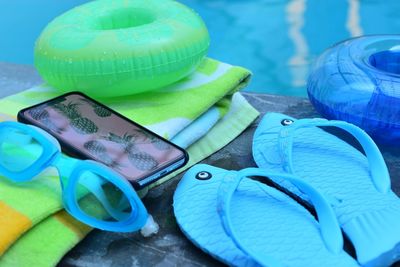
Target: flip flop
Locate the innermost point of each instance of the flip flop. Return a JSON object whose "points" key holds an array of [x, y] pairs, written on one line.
{"points": [[243, 222], [357, 185]]}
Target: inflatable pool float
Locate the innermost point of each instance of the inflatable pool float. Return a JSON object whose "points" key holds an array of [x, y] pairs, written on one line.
{"points": [[358, 81], [111, 48]]}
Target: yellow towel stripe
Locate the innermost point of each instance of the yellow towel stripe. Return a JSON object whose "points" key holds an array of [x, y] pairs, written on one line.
{"points": [[44, 244], [12, 224]]}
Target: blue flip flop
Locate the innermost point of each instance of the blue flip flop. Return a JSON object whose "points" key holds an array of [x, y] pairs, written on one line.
{"points": [[243, 222], [357, 185]]}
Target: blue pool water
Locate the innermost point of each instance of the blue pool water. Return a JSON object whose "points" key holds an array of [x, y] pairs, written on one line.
{"points": [[276, 39]]}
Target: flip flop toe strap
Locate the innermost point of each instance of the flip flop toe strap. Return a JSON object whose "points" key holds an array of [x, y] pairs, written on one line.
{"points": [[379, 172], [329, 226]]}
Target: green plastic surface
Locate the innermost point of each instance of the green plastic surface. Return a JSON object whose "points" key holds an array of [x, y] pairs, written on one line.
{"points": [[111, 48]]}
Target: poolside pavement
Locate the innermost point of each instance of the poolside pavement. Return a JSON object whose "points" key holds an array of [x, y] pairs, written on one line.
{"points": [[170, 247]]}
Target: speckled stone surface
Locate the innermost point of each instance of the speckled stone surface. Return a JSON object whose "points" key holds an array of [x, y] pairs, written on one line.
{"points": [[169, 247], [17, 77]]}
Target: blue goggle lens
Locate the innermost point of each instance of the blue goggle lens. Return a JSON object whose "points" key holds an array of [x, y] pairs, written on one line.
{"points": [[18, 150], [100, 199]]}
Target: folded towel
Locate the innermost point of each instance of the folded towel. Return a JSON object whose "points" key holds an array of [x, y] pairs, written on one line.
{"points": [[202, 113], [46, 243]]}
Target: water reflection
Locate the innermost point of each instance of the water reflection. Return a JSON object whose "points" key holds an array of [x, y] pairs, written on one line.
{"points": [[353, 18], [278, 40], [297, 63]]}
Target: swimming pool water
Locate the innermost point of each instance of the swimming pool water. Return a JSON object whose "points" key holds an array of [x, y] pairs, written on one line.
{"points": [[277, 40]]}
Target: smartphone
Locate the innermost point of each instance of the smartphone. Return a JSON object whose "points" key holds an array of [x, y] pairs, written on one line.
{"points": [[87, 129]]}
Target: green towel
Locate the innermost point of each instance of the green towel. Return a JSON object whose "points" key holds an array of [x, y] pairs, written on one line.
{"points": [[202, 113]]}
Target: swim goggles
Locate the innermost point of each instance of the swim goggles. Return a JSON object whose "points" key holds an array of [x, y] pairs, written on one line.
{"points": [[91, 192]]}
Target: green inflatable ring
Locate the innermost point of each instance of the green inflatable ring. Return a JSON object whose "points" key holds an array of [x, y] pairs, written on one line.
{"points": [[111, 48]]}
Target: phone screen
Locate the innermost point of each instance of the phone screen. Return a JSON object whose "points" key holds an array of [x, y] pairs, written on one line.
{"points": [[94, 131]]}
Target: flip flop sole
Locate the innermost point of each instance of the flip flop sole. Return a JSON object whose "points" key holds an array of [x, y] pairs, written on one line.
{"points": [[266, 220], [341, 173]]}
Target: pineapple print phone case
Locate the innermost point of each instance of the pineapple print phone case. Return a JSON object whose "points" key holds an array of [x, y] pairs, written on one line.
{"points": [[88, 129]]}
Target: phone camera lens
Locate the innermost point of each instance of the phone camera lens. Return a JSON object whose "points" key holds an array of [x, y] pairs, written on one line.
{"points": [[203, 175]]}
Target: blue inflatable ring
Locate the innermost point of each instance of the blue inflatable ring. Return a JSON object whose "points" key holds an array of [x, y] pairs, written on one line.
{"points": [[358, 81]]}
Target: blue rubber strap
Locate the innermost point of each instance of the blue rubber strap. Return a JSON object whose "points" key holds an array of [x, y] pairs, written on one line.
{"points": [[379, 172], [65, 165], [329, 226]]}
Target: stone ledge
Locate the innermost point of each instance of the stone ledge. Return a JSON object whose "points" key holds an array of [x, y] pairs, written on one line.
{"points": [[169, 247]]}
